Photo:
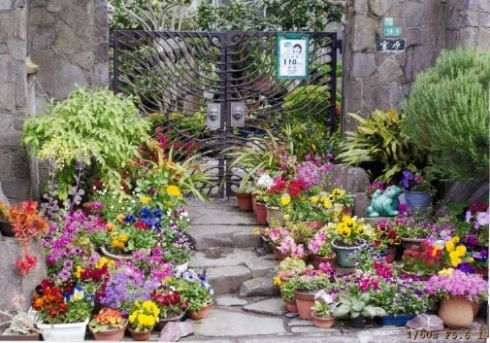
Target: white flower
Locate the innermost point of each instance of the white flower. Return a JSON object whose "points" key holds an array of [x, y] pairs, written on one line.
{"points": [[265, 181]]}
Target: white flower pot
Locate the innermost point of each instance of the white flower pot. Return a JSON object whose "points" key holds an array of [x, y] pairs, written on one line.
{"points": [[63, 332]]}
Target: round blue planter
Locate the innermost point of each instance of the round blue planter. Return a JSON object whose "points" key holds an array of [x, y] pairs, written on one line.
{"points": [[418, 201], [396, 319], [345, 255]]}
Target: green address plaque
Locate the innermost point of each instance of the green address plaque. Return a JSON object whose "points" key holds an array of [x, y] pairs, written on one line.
{"points": [[293, 55]]}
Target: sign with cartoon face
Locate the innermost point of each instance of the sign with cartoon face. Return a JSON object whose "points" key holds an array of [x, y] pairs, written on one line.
{"points": [[292, 56]]}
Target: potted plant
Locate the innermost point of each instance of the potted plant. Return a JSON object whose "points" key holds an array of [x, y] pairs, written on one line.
{"points": [[290, 240], [460, 294], [70, 132], [108, 325], [422, 261], [196, 292], [347, 234], [288, 294], [28, 224], [321, 248], [21, 324], [418, 189], [321, 311], [244, 197], [5, 225], [171, 306], [345, 199], [412, 227], [401, 299], [64, 313], [305, 287], [142, 319], [386, 239]]}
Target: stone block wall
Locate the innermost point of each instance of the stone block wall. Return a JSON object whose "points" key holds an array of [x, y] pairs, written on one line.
{"points": [[382, 79], [14, 167], [68, 40]]}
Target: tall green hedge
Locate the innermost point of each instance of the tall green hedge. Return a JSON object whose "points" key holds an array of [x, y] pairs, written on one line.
{"points": [[447, 114]]}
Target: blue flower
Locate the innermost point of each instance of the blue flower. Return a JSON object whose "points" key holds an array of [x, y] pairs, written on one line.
{"points": [[130, 219]]}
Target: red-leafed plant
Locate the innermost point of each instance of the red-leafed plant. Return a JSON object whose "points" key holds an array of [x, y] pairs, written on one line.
{"points": [[28, 223]]}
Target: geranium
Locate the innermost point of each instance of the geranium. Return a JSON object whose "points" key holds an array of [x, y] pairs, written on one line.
{"points": [[422, 259], [415, 181], [144, 315], [452, 283], [57, 305]]}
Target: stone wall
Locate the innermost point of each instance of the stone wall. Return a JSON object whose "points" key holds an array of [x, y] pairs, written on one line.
{"points": [[14, 168], [381, 79], [68, 40]]}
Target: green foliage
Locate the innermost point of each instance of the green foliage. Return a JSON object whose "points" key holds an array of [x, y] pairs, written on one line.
{"points": [[447, 114], [357, 304], [152, 14], [95, 127], [308, 103], [380, 140], [284, 15]]}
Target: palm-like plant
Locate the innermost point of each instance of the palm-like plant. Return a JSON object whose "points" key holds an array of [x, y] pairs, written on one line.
{"points": [[380, 140]]}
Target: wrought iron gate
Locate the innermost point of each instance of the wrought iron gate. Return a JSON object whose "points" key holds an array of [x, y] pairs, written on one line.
{"points": [[213, 90]]}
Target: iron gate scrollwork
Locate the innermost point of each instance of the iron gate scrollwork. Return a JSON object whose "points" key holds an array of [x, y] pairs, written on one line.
{"points": [[214, 90]]}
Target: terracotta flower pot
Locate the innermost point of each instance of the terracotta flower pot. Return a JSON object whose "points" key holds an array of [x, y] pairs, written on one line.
{"points": [[244, 202], [140, 336], [275, 214], [456, 312], [261, 214], [291, 306], [110, 335], [203, 312], [316, 260], [315, 224], [323, 322], [304, 301]]}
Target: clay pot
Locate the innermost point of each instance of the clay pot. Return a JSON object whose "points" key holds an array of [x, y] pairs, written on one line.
{"points": [[244, 202], [140, 336], [110, 335], [316, 260], [261, 214], [203, 312], [323, 322], [315, 224], [305, 301], [456, 312], [291, 306]]}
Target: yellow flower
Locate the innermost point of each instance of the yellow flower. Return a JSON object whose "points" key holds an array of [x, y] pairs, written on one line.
{"points": [[173, 190], [120, 218], [434, 251], [277, 280], [123, 237], [78, 271], [461, 250], [337, 193], [145, 200], [116, 243], [314, 200], [327, 204], [256, 231], [455, 258], [455, 239], [285, 199], [104, 261], [110, 227], [446, 271], [348, 221], [449, 246], [360, 229]]}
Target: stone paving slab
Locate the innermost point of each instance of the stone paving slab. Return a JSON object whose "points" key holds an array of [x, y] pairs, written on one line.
{"points": [[226, 323]]}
